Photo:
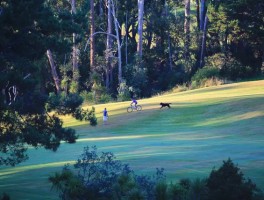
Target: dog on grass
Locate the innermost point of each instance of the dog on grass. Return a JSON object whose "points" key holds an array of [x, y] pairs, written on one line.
{"points": [[165, 105]]}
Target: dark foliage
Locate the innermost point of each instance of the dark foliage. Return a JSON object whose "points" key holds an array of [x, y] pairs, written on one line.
{"points": [[5, 197], [104, 177], [28, 29], [228, 183]]}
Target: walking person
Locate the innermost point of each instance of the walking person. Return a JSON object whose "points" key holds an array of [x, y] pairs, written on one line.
{"points": [[105, 116]]}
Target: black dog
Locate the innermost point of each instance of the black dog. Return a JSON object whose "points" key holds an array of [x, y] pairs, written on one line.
{"points": [[165, 105]]}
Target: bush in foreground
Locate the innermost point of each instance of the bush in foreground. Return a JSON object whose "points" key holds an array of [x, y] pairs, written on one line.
{"points": [[101, 177]]}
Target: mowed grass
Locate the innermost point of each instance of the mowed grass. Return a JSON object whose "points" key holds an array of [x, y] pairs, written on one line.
{"points": [[203, 128]]}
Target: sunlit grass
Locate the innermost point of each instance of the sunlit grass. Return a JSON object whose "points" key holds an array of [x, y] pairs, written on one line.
{"points": [[203, 128]]}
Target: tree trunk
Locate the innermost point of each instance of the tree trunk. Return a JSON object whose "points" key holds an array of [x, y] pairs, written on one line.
{"points": [[92, 30], [73, 6], [203, 10], [203, 46], [198, 13], [54, 72], [109, 44], [140, 26], [118, 43], [101, 9], [75, 69], [262, 67], [203, 28], [169, 42], [187, 30], [126, 38]]}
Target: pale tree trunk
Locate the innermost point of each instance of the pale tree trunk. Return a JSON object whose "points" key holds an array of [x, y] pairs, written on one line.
{"points": [[117, 37], [101, 8], [92, 30], [203, 10], [140, 27], [262, 67], [203, 29], [126, 38], [54, 71], [109, 44], [118, 43], [187, 30], [203, 46], [75, 50]]}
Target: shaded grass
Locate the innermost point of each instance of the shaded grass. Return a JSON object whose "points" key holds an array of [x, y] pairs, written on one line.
{"points": [[203, 128]]}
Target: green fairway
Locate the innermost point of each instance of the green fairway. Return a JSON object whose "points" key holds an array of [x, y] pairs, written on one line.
{"points": [[202, 128]]}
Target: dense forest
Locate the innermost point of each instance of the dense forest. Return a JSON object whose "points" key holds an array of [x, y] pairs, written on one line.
{"points": [[54, 54]]}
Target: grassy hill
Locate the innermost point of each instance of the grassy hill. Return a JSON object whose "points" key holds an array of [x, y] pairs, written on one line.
{"points": [[203, 128]]}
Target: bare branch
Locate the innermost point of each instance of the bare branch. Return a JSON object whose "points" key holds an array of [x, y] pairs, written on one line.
{"points": [[99, 32], [28, 75]]}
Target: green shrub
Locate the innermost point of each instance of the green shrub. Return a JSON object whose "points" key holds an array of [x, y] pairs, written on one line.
{"points": [[101, 176], [234, 70], [88, 97], [105, 98], [228, 183], [123, 92], [207, 76], [205, 73]]}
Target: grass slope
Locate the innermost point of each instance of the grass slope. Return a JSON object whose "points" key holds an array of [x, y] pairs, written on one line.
{"points": [[203, 128]]}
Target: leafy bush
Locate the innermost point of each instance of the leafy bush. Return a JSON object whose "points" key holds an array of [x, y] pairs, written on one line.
{"points": [[70, 104], [229, 67], [205, 73], [228, 183], [234, 70], [99, 177], [105, 98], [123, 92], [87, 96], [103, 177], [86, 115]]}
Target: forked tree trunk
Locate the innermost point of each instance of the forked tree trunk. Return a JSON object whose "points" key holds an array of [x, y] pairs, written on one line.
{"points": [[140, 26], [118, 43], [117, 37], [54, 72]]}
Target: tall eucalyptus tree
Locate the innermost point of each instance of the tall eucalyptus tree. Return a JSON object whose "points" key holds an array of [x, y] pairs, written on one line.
{"points": [[203, 29], [187, 29], [92, 31], [75, 52], [140, 27], [109, 46]]}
